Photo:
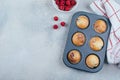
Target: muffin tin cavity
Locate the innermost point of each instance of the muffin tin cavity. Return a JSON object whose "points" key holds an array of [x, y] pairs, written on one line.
{"points": [[92, 61], [96, 43], [100, 26], [88, 36], [82, 22], [78, 39], [74, 56]]}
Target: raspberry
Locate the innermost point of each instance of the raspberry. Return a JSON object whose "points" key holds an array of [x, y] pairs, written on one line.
{"points": [[61, 7], [57, 2], [65, 5], [61, 0], [68, 3], [68, 8], [63, 23], [73, 2], [55, 26], [62, 3], [55, 18]]}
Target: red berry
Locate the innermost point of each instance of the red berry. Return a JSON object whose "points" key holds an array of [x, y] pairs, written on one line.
{"points": [[68, 3], [55, 26], [73, 2], [55, 18], [65, 5], [62, 3], [62, 23], [61, 7], [68, 8], [57, 2], [61, 0]]}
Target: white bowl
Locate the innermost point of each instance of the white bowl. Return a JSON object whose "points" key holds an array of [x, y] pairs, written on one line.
{"points": [[56, 7]]}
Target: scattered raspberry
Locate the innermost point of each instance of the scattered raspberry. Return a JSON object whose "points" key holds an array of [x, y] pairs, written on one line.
{"points": [[62, 23], [55, 18], [55, 26]]}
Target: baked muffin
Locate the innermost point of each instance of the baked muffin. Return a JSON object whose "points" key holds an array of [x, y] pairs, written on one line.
{"points": [[96, 43], [92, 61], [82, 22], [100, 26], [78, 39], [74, 56]]}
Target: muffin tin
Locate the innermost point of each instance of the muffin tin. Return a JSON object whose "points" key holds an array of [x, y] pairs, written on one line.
{"points": [[85, 50]]}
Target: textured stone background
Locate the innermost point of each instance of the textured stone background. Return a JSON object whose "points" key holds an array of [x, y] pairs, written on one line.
{"points": [[31, 50]]}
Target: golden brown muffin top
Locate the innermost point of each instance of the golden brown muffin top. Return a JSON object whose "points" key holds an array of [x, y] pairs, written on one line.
{"points": [[78, 39], [100, 26], [96, 43], [82, 22], [92, 61], [74, 56]]}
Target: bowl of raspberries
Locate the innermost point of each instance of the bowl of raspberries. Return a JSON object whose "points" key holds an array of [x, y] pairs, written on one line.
{"points": [[65, 5]]}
